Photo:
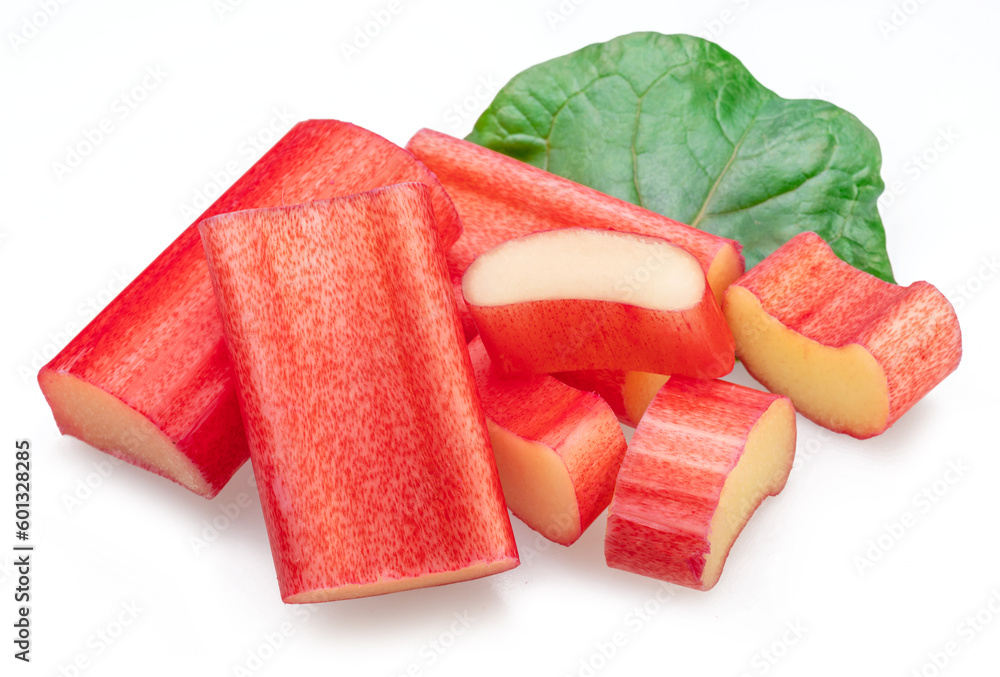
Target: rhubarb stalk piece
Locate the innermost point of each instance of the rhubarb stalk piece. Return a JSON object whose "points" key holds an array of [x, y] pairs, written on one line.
{"points": [[579, 298], [853, 352], [705, 454], [367, 436], [557, 448], [500, 198], [149, 379]]}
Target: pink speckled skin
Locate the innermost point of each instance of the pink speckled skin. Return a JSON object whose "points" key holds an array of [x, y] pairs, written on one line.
{"points": [[158, 346], [367, 436], [500, 198], [912, 332], [688, 441], [578, 426]]}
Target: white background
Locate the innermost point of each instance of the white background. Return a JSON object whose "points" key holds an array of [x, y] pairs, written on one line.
{"points": [[128, 540]]}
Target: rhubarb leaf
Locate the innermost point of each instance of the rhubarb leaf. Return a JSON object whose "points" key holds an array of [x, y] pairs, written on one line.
{"points": [[679, 126]]}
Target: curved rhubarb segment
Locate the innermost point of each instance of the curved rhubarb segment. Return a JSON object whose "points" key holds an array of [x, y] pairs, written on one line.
{"points": [[578, 298], [367, 436], [705, 454], [853, 352], [557, 448], [149, 379]]}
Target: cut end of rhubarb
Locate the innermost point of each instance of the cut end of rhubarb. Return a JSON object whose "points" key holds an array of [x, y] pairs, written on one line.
{"points": [[628, 393], [478, 570], [726, 268], [639, 390], [761, 471], [88, 413], [577, 299], [536, 485], [842, 388], [580, 263]]}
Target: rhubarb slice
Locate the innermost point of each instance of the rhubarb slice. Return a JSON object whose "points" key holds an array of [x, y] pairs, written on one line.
{"points": [[579, 298], [853, 353], [705, 454], [627, 392], [557, 448], [149, 380], [367, 437]]}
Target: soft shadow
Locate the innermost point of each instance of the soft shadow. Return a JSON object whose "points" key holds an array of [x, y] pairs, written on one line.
{"points": [[400, 612]]}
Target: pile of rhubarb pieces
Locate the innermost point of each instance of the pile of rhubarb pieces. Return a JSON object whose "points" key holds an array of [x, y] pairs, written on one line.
{"points": [[409, 342]]}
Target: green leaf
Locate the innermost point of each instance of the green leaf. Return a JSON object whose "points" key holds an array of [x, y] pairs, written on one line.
{"points": [[678, 125]]}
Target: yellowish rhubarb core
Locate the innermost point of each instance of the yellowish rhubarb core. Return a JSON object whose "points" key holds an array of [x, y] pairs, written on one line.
{"points": [[640, 389], [760, 472], [91, 415], [536, 485], [841, 388], [725, 269], [354, 591]]}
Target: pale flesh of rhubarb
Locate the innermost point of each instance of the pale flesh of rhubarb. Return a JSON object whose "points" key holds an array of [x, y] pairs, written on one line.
{"points": [[367, 437], [149, 380], [627, 392], [704, 456], [852, 352], [92, 414], [580, 298], [557, 448]]}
